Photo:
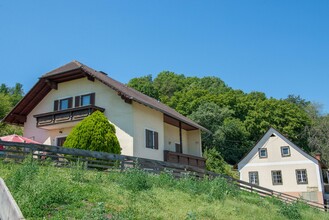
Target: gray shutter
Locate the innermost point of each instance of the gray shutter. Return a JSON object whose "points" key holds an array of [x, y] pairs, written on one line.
{"points": [[70, 102], [56, 105], [156, 140], [92, 98], [77, 101]]}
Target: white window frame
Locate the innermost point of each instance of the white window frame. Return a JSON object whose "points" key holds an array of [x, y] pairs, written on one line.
{"points": [[301, 177], [253, 177]]}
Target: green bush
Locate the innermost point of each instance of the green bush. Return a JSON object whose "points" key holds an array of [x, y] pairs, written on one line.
{"points": [[94, 133], [291, 211], [136, 180]]}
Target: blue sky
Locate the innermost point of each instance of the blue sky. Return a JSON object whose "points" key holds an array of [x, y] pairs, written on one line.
{"points": [[277, 47]]}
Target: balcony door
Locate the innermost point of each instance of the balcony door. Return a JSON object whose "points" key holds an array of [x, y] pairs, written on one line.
{"points": [[179, 148]]}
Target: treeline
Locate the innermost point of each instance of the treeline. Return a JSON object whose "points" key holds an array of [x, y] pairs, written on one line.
{"points": [[9, 97], [237, 119]]}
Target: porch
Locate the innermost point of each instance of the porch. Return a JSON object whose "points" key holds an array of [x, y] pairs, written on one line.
{"points": [[185, 159]]}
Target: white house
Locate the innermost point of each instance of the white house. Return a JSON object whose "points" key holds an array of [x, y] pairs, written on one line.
{"points": [[278, 164], [144, 126]]}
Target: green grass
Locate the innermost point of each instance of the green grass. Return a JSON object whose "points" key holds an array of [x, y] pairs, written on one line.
{"points": [[46, 192]]}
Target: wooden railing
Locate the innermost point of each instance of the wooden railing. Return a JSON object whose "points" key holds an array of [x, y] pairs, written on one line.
{"points": [[186, 159], [67, 115], [106, 161]]}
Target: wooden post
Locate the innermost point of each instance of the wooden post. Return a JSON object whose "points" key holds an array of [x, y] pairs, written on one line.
{"points": [[180, 136]]}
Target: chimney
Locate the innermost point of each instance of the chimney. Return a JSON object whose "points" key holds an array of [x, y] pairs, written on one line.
{"points": [[318, 156]]}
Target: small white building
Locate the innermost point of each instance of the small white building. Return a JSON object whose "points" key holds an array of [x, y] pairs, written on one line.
{"points": [[278, 164], [144, 126]]}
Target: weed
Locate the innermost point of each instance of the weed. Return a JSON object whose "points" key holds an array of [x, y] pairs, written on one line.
{"points": [[290, 211], [136, 180], [78, 169]]}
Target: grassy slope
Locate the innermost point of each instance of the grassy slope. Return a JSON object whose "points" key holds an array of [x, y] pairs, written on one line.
{"points": [[62, 193]]}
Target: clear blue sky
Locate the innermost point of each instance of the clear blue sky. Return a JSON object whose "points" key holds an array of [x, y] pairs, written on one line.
{"points": [[278, 47]]}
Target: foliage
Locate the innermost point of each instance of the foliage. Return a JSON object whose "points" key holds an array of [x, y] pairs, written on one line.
{"points": [[94, 133], [136, 180], [235, 118], [291, 211], [53, 194], [9, 97], [217, 164]]}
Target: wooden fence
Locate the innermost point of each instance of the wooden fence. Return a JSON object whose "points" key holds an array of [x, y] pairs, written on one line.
{"points": [[100, 160]]}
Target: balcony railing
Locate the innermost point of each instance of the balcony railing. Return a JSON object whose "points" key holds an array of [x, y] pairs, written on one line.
{"points": [[67, 115], [186, 159]]}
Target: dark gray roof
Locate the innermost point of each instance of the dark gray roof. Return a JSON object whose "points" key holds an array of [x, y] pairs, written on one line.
{"points": [[74, 70]]}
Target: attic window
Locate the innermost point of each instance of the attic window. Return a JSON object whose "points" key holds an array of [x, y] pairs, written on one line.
{"points": [[272, 135], [262, 152], [285, 151]]}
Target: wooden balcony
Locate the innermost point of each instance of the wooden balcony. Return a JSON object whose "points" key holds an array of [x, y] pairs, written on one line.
{"points": [[67, 115], [186, 159]]}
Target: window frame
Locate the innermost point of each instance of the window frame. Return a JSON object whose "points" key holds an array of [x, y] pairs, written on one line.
{"points": [[154, 137], [301, 182], [259, 152], [250, 174], [275, 180], [79, 99], [285, 155]]}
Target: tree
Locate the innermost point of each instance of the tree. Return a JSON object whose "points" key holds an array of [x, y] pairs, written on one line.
{"points": [[94, 133], [144, 85]]}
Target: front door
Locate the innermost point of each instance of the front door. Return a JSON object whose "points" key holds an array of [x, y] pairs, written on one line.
{"points": [[178, 148], [60, 141]]}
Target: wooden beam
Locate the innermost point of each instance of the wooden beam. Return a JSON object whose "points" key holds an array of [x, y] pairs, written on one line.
{"points": [[180, 136], [91, 78], [52, 84]]}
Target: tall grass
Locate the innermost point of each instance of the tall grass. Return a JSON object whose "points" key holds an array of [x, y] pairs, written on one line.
{"points": [[46, 192]]}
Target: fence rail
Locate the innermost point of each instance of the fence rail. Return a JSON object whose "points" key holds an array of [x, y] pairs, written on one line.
{"points": [[101, 160]]}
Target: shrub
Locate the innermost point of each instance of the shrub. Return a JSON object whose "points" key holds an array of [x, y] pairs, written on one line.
{"points": [[95, 133], [136, 180], [291, 211]]}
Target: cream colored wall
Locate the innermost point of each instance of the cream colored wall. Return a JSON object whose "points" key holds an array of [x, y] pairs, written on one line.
{"points": [[287, 165], [117, 111], [191, 140], [147, 118]]}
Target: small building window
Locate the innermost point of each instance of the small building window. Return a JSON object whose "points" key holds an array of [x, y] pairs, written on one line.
{"points": [[285, 151], [253, 177], [151, 139], [301, 176], [276, 177], [262, 152]]}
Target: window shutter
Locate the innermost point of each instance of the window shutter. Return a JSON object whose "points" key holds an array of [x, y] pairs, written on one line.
{"points": [[92, 98], [56, 105], [70, 102], [77, 101], [156, 140]]}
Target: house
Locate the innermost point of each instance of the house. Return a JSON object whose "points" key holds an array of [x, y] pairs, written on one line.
{"points": [[144, 126], [278, 164]]}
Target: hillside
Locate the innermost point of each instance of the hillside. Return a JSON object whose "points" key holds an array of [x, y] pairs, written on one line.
{"points": [[75, 193]]}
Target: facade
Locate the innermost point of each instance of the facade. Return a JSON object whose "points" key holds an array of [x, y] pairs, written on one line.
{"points": [[145, 127], [278, 164]]}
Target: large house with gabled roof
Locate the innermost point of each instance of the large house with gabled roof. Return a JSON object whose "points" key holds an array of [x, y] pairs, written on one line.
{"points": [[145, 127]]}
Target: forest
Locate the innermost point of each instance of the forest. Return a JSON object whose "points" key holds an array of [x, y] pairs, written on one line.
{"points": [[236, 119]]}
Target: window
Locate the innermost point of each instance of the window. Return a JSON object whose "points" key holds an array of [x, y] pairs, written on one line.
{"points": [[253, 177], [84, 100], [262, 152], [63, 104], [60, 141], [301, 176], [276, 177], [285, 151], [152, 140]]}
